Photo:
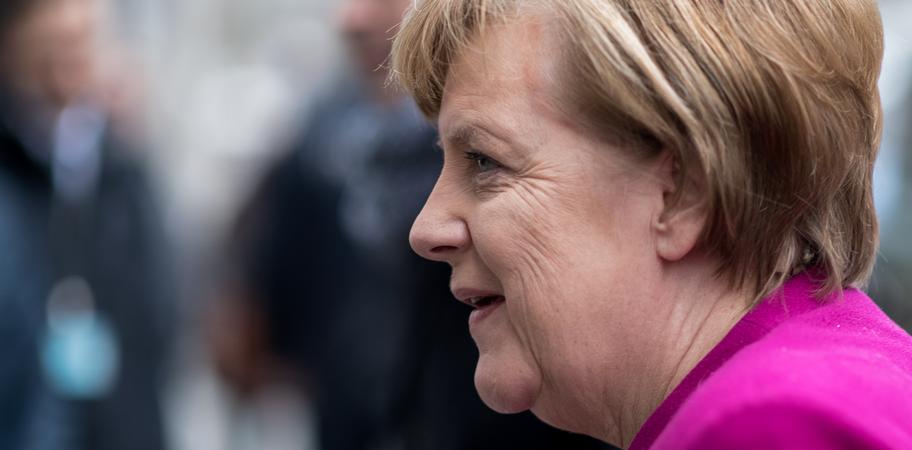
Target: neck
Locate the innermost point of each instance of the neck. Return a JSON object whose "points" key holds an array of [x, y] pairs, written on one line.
{"points": [[701, 311]]}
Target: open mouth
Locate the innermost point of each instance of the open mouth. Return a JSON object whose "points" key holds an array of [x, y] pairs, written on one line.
{"points": [[486, 301]]}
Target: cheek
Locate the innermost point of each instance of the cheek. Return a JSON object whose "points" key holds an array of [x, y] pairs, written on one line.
{"points": [[560, 252], [573, 268], [524, 250], [513, 342]]}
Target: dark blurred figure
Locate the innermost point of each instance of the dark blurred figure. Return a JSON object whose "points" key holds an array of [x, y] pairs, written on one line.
{"points": [[326, 279], [82, 288]]}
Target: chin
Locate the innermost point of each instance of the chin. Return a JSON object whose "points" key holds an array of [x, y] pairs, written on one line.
{"points": [[552, 417], [505, 389]]}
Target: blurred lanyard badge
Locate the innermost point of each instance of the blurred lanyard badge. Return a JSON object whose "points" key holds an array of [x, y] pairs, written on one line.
{"points": [[80, 354]]}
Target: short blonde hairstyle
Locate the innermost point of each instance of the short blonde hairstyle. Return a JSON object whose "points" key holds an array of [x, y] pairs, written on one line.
{"points": [[772, 106]]}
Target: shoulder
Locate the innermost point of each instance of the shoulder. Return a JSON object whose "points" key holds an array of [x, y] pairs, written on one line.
{"points": [[838, 377], [784, 423]]}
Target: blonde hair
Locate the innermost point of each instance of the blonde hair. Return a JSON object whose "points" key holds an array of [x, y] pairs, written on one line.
{"points": [[771, 105]]}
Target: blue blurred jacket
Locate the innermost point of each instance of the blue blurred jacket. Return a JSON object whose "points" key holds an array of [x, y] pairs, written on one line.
{"points": [[125, 264]]}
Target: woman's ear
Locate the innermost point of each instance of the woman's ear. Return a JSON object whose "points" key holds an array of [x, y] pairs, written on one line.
{"points": [[681, 223]]}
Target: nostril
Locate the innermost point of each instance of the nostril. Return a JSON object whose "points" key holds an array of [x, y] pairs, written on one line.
{"points": [[443, 249]]}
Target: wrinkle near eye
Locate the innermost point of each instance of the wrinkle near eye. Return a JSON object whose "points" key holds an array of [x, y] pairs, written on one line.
{"points": [[532, 182], [487, 186]]}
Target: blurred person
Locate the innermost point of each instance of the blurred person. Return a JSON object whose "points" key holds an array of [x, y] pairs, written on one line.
{"points": [[83, 291], [321, 276], [663, 215]]}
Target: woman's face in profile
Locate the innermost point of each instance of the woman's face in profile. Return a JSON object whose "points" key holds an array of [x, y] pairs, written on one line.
{"points": [[547, 230]]}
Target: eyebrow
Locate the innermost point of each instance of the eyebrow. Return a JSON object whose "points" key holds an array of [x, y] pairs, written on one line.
{"points": [[462, 136], [468, 134]]}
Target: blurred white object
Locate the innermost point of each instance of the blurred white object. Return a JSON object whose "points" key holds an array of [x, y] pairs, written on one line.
{"points": [[201, 413]]}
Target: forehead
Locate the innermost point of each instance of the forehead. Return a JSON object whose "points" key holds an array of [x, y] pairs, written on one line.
{"points": [[504, 77]]}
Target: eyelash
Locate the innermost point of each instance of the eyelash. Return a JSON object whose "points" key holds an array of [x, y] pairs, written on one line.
{"points": [[480, 159]]}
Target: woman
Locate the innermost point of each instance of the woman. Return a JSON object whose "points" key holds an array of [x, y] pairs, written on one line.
{"points": [[661, 212]]}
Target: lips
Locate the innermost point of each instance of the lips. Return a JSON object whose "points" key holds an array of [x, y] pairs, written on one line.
{"points": [[482, 302], [476, 297], [484, 307]]}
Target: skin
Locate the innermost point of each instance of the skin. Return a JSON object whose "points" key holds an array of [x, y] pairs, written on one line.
{"points": [[609, 301]]}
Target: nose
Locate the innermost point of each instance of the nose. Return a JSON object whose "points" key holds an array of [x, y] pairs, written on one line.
{"points": [[439, 233]]}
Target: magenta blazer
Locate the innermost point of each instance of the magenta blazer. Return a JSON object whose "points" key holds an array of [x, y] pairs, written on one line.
{"points": [[795, 373]]}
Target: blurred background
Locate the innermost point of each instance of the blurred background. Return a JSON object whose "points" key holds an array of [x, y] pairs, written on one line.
{"points": [[204, 210]]}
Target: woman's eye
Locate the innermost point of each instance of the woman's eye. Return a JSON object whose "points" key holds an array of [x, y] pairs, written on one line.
{"points": [[482, 162]]}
